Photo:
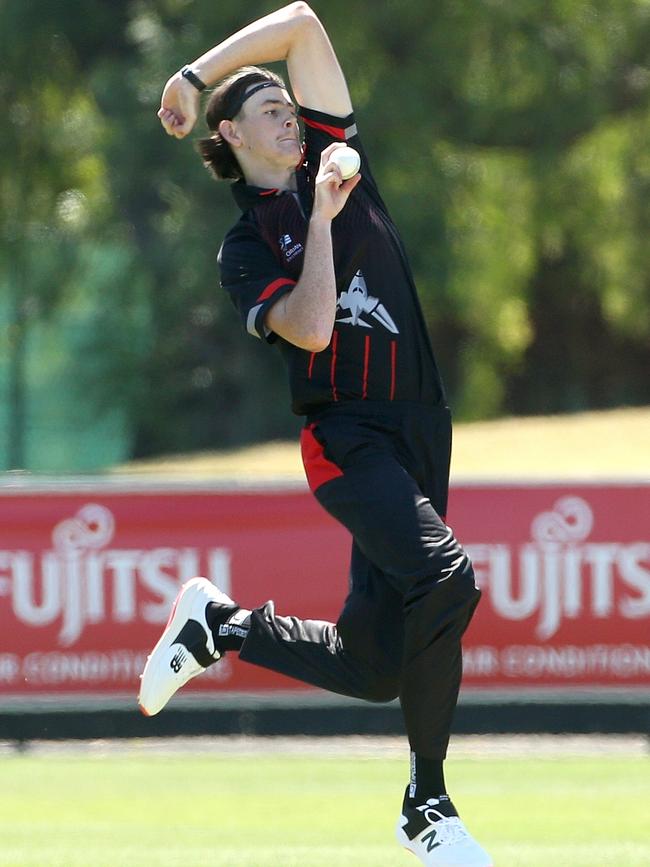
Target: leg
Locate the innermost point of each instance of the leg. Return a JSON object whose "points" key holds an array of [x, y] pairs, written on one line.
{"points": [[397, 529], [354, 657], [412, 595]]}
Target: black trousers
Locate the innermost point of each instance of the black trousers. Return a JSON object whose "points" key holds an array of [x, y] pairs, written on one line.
{"points": [[382, 470]]}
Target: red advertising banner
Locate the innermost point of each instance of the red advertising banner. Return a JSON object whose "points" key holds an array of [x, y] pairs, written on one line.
{"points": [[87, 579], [565, 571]]}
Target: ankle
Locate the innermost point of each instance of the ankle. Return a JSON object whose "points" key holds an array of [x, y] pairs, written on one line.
{"points": [[229, 625], [427, 779]]}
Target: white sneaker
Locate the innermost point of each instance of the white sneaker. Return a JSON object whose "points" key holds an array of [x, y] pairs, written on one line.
{"points": [[186, 647], [434, 832]]}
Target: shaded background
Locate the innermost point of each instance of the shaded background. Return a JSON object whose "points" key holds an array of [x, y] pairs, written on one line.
{"points": [[510, 140]]}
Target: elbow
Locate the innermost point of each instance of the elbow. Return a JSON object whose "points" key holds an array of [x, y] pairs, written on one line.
{"points": [[301, 10], [303, 13], [305, 27], [316, 341]]}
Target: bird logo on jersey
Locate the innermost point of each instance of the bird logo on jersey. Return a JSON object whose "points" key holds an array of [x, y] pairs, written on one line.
{"points": [[358, 302]]}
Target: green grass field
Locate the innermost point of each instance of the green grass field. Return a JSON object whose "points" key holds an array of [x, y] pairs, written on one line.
{"points": [[275, 810]]}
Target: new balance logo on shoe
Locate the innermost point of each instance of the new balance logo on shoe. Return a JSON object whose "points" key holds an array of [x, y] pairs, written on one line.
{"points": [[435, 834], [431, 815], [429, 840], [177, 661], [186, 647]]}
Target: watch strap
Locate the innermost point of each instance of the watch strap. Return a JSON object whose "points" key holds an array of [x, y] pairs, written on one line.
{"points": [[193, 78]]}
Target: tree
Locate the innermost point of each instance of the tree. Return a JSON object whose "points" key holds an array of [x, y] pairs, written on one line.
{"points": [[509, 143]]}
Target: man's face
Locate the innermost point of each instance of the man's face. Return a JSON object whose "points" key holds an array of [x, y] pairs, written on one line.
{"points": [[268, 126]]}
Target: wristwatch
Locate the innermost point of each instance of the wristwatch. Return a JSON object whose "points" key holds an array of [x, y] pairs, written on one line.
{"points": [[193, 78]]}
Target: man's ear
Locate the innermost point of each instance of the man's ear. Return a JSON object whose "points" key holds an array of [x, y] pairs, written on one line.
{"points": [[230, 134]]}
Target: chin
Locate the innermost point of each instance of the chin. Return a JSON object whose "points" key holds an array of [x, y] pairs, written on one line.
{"points": [[292, 148]]}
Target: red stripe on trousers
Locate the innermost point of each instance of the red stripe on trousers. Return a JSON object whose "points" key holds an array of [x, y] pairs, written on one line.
{"points": [[273, 287], [335, 131], [366, 359], [335, 340], [311, 365], [393, 356], [318, 468]]}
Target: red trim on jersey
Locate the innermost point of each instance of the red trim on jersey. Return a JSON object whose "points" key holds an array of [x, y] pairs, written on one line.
{"points": [[303, 154], [366, 359], [318, 468], [272, 192], [393, 356], [335, 340], [335, 131], [273, 287], [311, 365]]}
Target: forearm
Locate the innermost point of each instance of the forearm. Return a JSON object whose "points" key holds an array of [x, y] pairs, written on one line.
{"points": [[305, 316], [266, 40], [292, 34]]}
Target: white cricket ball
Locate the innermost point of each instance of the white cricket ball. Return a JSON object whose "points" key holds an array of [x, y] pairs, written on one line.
{"points": [[347, 160]]}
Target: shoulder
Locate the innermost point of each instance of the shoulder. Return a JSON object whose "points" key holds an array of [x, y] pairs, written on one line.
{"points": [[244, 232], [334, 127]]}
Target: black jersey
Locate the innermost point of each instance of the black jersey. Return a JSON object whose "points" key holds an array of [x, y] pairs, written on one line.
{"points": [[380, 349]]}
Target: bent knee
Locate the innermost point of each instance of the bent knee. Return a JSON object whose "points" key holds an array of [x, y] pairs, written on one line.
{"points": [[382, 690], [453, 590], [456, 571]]}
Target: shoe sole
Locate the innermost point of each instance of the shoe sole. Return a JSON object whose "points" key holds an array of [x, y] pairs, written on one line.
{"points": [[411, 852], [403, 840], [178, 616]]}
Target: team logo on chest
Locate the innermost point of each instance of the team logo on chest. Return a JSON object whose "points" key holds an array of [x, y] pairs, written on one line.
{"points": [[356, 299], [289, 248]]}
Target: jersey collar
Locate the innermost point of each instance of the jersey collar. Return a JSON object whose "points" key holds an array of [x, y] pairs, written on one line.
{"points": [[248, 196]]}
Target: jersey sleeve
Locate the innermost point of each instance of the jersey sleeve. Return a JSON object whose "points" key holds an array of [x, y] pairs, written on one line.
{"points": [[322, 130], [253, 279]]}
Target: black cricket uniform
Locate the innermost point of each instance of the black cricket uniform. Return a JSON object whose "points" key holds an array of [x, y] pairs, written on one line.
{"points": [[376, 447]]}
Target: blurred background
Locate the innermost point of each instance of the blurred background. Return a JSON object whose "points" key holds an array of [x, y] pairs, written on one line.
{"points": [[510, 141], [139, 444]]}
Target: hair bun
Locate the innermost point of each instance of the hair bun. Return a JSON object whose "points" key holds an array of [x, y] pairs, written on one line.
{"points": [[218, 157]]}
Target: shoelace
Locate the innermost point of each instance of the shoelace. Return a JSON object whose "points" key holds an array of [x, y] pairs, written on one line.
{"points": [[450, 830]]}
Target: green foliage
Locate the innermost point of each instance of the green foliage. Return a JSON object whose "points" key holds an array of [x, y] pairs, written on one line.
{"points": [[508, 140]]}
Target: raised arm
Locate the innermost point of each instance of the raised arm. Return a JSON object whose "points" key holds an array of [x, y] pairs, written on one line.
{"points": [[305, 316], [293, 34]]}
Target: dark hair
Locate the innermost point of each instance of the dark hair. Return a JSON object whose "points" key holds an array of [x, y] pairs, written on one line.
{"points": [[224, 104]]}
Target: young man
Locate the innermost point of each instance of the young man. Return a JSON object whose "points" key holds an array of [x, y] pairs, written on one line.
{"points": [[315, 265]]}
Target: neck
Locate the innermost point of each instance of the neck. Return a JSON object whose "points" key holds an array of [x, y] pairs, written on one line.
{"points": [[278, 179]]}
